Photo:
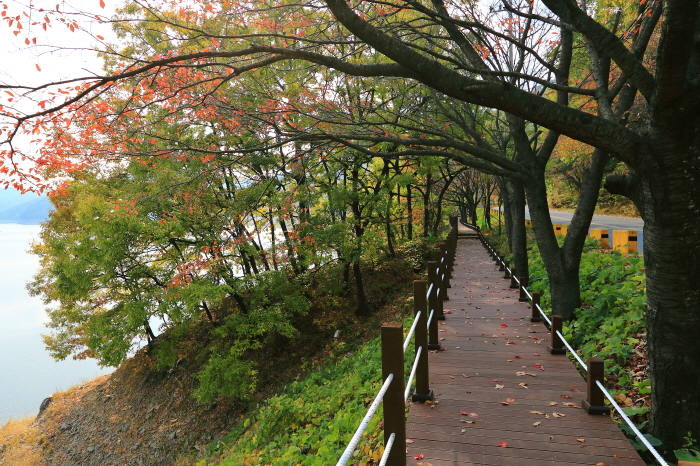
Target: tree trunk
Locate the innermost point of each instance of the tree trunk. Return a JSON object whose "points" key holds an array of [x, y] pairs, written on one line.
{"points": [[668, 198], [409, 207], [518, 233]]}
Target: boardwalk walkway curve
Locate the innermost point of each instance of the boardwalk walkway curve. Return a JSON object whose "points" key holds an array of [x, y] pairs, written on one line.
{"points": [[500, 397]]}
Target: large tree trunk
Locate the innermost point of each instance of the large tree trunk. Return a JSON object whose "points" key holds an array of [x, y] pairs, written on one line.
{"points": [[668, 199], [518, 233]]}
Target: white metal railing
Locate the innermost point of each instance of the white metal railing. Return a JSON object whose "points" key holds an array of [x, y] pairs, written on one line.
{"points": [[413, 373], [407, 341], [345, 457], [622, 414], [600, 385], [387, 449]]}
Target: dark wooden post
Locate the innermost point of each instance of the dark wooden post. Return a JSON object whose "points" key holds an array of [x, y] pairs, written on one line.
{"points": [[506, 274], [394, 402], [536, 317], [523, 284], [434, 341], [420, 303], [501, 266], [513, 274], [595, 399], [557, 347]]}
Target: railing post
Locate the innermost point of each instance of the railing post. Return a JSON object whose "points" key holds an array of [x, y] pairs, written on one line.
{"points": [[536, 317], [507, 273], [513, 275], [434, 341], [595, 399], [523, 296], [501, 266], [557, 347], [420, 303], [394, 402]]}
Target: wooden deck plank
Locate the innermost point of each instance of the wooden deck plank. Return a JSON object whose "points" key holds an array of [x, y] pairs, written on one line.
{"points": [[491, 347]]}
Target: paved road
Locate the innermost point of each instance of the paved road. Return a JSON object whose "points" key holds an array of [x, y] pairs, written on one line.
{"points": [[602, 221]]}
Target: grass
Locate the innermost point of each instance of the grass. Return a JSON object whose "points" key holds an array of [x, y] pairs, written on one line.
{"points": [[19, 443]]}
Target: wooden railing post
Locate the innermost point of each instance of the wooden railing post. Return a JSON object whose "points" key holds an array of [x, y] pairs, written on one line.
{"points": [[513, 275], [523, 284], [501, 266], [434, 341], [595, 399], [536, 317], [557, 346], [394, 402], [420, 303], [506, 274]]}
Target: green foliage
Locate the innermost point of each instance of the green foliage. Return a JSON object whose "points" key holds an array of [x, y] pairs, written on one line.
{"points": [[314, 419], [274, 301], [684, 454], [613, 303]]}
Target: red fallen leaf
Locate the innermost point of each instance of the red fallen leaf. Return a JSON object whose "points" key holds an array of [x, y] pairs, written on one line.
{"points": [[419, 456], [538, 365], [496, 380], [442, 330], [511, 343], [474, 415], [464, 413], [505, 403], [442, 349], [451, 377], [536, 354], [575, 390], [518, 357], [535, 338], [447, 312], [503, 444], [568, 397], [504, 325], [468, 391]]}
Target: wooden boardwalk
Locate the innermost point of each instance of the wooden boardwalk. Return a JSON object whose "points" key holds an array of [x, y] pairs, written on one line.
{"points": [[502, 399]]}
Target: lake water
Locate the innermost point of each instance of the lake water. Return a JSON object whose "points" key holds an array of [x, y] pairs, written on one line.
{"points": [[27, 373]]}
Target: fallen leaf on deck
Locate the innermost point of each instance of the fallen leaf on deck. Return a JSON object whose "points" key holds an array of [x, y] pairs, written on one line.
{"points": [[419, 456], [496, 380], [498, 386], [575, 390], [511, 343], [465, 376], [447, 312], [443, 330], [474, 415], [505, 403], [504, 325], [503, 444], [424, 464], [525, 373], [451, 377], [518, 357], [536, 423], [568, 397], [558, 415], [468, 422], [601, 464], [524, 385], [580, 440], [538, 365], [464, 413], [553, 403], [408, 440], [468, 391], [510, 400], [571, 405], [536, 412]]}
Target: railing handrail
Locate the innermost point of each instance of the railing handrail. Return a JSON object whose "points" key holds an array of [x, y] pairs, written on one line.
{"points": [[345, 457], [442, 278], [598, 383]]}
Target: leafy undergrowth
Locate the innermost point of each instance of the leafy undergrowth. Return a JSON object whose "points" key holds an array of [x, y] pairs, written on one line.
{"points": [[145, 413], [312, 421]]}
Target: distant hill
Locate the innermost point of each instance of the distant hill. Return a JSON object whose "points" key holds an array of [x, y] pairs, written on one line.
{"points": [[25, 209]]}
